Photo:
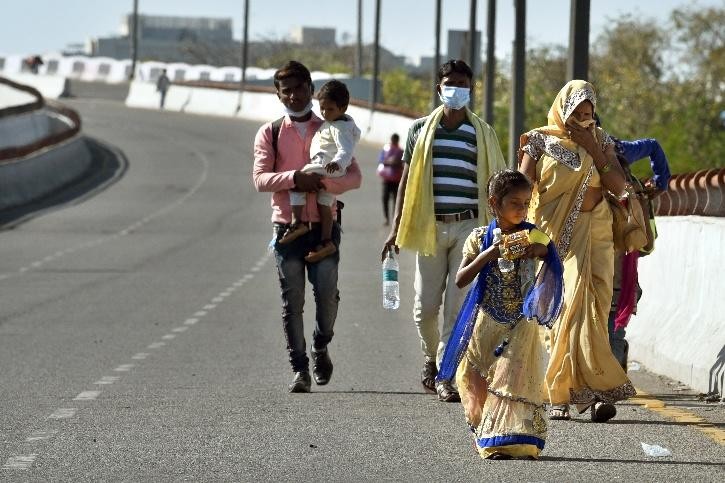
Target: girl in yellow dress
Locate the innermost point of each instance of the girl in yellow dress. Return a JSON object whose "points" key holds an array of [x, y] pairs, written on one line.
{"points": [[495, 344]]}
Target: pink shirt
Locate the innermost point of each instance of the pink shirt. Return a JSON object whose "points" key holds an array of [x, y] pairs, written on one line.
{"points": [[293, 153]]}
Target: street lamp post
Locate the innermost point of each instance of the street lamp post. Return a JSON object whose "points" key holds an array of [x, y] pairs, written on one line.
{"points": [[134, 41], [437, 54], [473, 53], [376, 59], [490, 61], [518, 81]]}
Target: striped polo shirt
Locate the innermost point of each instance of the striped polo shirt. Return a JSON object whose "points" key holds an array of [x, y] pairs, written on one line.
{"points": [[455, 187]]}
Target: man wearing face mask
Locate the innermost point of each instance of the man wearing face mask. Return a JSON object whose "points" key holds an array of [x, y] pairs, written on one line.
{"points": [[449, 156], [277, 165]]}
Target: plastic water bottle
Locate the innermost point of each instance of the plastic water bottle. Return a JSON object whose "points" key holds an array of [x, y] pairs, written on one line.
{"points": [[503, 264], [391, 288]]}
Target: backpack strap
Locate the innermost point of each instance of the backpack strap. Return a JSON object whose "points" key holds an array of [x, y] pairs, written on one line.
{"points": [[276, 126]]}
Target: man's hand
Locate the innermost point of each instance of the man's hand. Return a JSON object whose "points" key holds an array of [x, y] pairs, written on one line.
{"points": [[308, 181], [389, 243], [650, 189], [332, 167]]}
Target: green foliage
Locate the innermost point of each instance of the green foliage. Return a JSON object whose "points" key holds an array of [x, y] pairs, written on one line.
{"points": [[404, 91]]}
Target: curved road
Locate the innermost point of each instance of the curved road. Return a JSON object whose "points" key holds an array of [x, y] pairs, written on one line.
{"points": [[140, 339]]}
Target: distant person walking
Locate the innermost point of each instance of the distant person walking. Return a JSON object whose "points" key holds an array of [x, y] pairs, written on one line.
{"points": [[390, 170], [162, 86], [449, 156], [281, 150]]}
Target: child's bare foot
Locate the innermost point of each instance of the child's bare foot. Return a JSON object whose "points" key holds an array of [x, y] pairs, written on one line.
{"points": [[295, 231], [321, 251]]}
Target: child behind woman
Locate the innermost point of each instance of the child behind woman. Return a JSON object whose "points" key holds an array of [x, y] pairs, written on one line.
{"points": [[331, 154], [500, 372]]}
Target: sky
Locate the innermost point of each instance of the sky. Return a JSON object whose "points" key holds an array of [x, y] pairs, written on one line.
{"points": [[407, 26]]}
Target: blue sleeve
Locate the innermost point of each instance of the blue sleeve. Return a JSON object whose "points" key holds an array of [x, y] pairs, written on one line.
{"points": [[642, 148]]}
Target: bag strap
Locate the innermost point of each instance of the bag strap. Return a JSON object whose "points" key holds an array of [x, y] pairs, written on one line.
{"points": [[276, 127]]}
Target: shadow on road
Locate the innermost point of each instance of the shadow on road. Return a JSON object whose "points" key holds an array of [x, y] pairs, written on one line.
{"points": [[647, 461]]}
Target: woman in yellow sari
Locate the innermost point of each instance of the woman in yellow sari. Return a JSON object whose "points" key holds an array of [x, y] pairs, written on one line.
{"points": [[572, 163]]}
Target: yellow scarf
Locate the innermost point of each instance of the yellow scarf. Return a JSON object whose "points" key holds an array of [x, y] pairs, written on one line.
{"points": [[417, 230]]}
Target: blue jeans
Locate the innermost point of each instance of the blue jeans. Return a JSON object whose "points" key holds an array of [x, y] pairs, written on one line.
{"points": [[617, 342], [291, 266]]}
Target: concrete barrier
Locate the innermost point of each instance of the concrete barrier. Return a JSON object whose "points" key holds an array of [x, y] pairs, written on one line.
{"points": [[679, 329], [256, 106], [23, 180], [50, 86]]}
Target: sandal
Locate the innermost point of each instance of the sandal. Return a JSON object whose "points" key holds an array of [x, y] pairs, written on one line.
{"points": [[559, 412], [603, 412], [292, 233], [500, 456]]}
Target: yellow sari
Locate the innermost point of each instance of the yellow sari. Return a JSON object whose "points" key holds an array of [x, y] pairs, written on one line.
{"points": [[581, 368]]}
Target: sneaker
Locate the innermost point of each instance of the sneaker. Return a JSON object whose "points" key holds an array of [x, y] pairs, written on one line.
{"points": [[321, 366], [428, 375], [301, 382], [446, 392]]}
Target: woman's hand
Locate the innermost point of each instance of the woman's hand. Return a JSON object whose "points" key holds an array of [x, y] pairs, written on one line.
{"points": [[583, 137]]}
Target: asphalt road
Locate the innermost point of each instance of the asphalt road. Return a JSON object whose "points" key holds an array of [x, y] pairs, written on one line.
{"points": [[140, 339]]}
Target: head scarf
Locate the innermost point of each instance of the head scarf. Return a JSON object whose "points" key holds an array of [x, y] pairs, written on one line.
{"points": [[567, 100]]}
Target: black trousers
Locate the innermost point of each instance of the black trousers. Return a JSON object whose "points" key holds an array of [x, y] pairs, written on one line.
{"points": [[390, 190]]}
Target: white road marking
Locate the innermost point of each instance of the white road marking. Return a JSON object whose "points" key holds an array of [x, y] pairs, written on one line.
{"points": [[87, 396], [124, 367], [63, 413], [248, 276], [227, 293], [168, 336], [191, 321], [108, 380], [20, 462], [200, 313], [140, 356], [217, 300], [157, 345], [209, 306], [41, 435], [254, 269], [179, 329]]}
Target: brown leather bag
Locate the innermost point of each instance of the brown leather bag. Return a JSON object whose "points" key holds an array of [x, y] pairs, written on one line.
{"points": [[629, 227]]}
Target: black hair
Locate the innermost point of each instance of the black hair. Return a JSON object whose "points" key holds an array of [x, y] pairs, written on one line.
{"points": [[395, 138], [336, 92], [292, 69], [505, 182], [454, 65]]}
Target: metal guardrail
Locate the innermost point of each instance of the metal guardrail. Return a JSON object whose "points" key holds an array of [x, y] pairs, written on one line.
{"points": [[699, 193], [40, 103]]}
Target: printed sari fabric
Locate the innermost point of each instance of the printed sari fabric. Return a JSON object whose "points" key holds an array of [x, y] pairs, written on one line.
{"points": [[503, 395], [581, 368]]}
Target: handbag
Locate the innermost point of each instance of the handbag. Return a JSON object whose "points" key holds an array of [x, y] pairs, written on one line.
{"points": [[628, 223]]}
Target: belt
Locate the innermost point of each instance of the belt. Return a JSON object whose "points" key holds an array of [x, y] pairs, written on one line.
{"points": [[462, 216]]}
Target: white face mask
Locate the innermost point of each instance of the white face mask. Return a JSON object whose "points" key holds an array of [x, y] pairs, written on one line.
{"points": [[301, 113], [455, 97]]}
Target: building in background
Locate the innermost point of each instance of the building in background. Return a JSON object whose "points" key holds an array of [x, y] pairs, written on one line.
{"points": [[313, 36], [169, 39], [459, 46]]}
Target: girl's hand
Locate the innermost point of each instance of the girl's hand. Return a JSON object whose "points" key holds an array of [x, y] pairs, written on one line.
{"points": [[535, 250], [332, 167]]}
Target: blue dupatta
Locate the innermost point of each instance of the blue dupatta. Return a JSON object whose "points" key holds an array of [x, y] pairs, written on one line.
{"points": [[542, 301]]}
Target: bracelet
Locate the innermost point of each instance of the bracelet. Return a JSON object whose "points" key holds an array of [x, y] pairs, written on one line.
{"points": [[606, 168]]}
